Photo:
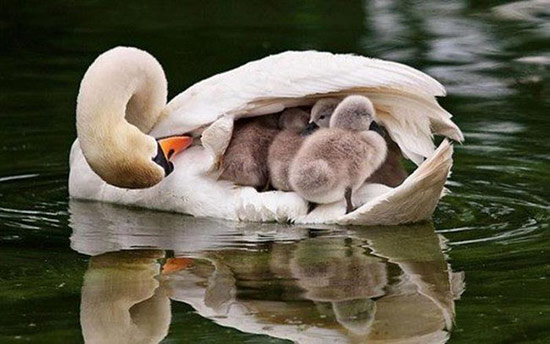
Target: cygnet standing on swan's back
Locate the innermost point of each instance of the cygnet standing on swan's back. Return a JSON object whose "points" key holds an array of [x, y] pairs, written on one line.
{"points": [[285, 146], [245, 159], [333, 162]]}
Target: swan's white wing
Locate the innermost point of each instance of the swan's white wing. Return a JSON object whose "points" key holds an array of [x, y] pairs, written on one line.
{"points": [[412, 201], [404, 96]]}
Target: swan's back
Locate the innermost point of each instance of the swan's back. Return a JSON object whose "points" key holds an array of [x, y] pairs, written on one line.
{"points": [[404, 97]]}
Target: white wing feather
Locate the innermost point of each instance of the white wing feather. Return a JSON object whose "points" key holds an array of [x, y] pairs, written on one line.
{"points": [[404, 97]]}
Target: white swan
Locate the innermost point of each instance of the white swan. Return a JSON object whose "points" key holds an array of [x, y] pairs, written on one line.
{"points": [[121, 110]]}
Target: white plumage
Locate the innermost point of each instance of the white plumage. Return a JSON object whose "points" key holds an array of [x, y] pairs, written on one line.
{"points": [[404, 98], [404, 95]]}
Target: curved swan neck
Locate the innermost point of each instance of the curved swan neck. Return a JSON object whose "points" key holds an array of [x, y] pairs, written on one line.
{"points": [[121, 97], [126, 83]]}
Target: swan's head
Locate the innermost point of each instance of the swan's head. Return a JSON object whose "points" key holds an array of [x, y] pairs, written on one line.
{"points": [[294, 119], [320, 114], [131, 159], [353, 113], [121, 97]]}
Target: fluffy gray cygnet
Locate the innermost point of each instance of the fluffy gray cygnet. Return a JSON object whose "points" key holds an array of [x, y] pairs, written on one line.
{"points": [[391, 172], [333, 162], [285, 146], [245, 159]]}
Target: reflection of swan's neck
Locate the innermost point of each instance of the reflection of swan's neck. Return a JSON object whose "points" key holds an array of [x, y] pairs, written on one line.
{"points": [[121, 97], [122, 300]]}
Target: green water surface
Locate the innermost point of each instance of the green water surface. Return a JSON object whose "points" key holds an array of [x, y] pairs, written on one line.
{"points": [[479, 273]]}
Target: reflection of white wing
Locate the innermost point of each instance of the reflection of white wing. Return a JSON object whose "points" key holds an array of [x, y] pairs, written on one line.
{"points": [[404, 97]]}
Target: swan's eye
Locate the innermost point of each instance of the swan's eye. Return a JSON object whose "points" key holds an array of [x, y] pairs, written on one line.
{"points": [[322, 117]]}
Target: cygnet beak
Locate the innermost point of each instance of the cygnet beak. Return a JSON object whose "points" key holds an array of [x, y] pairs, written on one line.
{"points": [[168, 147], [377, 128], [309, 129]]}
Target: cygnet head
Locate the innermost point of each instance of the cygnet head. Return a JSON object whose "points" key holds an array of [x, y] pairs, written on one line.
{"points": [[320, 114], [294, 119], [353, 113], [322, 111]]}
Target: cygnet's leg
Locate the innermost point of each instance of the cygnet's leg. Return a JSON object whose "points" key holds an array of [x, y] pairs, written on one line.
{"points": [[349, 205]]}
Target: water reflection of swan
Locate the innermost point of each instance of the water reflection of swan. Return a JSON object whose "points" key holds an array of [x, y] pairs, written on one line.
{"points": [[122, 301], [102, 227], [340, 279], [373, 284]]}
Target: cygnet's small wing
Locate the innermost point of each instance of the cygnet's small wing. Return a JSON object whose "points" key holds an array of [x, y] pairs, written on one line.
{"points": [[404, 96]]}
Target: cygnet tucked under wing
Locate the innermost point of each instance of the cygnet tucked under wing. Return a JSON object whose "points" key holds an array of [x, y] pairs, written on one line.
{"points": [[285, 146], [335, 161], [245, 159], [391, 172]]}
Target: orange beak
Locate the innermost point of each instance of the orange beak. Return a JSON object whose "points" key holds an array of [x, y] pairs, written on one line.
{"points": [[174, 144]]}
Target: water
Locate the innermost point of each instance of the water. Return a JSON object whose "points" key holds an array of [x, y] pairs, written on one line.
{"points": [[260, 283]]}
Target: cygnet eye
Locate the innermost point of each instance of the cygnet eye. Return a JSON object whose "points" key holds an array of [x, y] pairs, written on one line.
{"points": [[322, 117]]}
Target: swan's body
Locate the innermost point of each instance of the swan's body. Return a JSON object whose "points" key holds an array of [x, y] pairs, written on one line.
{"points": [[404, 99]]}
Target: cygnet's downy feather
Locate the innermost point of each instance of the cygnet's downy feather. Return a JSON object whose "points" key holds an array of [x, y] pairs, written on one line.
{"points": [[285, 146], [245, 159], [339, 158]]}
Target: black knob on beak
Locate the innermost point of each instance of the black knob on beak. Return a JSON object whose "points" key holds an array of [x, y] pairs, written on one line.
{"points": [[161, 160]]}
